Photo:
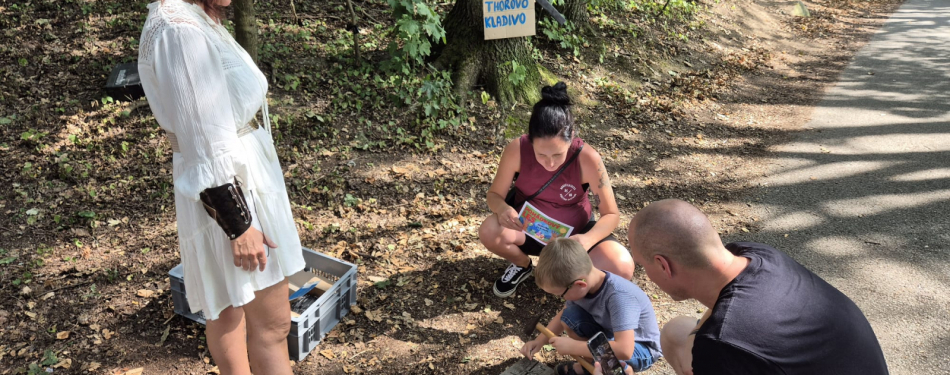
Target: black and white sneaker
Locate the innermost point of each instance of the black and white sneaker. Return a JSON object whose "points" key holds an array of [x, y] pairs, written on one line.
{"points": [[514, 275]]}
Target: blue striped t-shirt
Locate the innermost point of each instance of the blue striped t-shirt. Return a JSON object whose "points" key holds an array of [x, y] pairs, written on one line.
{"points": [[620, 305]]}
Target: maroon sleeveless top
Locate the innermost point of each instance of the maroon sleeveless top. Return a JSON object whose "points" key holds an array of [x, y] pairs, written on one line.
{"points": [[564, 199]]}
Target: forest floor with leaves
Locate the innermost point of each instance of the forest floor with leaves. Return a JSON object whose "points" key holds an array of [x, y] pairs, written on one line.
{"points": [[679, 107]]}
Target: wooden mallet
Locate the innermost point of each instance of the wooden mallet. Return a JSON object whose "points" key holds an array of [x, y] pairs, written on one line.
{"points": [[535, 324]]}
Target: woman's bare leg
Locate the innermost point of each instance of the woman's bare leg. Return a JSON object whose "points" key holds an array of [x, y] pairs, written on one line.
{"points": [[503, 241], [612, 257], [268, 323], [226, 341]]}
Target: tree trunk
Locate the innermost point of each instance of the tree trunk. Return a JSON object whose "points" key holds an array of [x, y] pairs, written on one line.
{"points": [[576, 12], [245, 26], [474, 60]]}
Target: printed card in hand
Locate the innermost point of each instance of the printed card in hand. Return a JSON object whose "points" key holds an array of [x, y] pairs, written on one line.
{"points": [[542, 227]]}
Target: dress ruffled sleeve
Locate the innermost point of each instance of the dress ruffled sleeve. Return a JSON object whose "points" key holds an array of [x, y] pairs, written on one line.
{"points": [[195, 101]]}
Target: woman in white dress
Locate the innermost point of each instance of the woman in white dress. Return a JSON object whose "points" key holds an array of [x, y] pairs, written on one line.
{"points": [[205, 92]]}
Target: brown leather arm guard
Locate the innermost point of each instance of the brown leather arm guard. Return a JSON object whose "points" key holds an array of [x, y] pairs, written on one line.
{"points": [[227, 206]]}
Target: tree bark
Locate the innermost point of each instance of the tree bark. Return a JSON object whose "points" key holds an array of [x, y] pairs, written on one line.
{"points": [[474, 60], [245, 26], [576, 12]]}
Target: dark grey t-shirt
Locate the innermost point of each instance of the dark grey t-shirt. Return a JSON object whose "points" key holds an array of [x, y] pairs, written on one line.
{"points": [[620, 305], [777, 317]]}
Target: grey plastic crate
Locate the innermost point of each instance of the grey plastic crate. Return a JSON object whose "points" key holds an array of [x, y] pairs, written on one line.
{"points": [[313, 324], [179, 302]]}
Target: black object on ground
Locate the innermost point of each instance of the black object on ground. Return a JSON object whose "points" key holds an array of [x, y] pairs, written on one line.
{"points": [[124, 82]]}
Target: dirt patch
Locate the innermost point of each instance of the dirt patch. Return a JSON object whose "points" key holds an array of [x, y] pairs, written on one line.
{"points": [[89, 215]]}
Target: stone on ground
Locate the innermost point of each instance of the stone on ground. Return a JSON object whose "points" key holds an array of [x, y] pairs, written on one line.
{"points": [[521, 368]]}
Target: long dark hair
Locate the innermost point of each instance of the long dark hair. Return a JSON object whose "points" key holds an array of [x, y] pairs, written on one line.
{"points": [[551, 116]]}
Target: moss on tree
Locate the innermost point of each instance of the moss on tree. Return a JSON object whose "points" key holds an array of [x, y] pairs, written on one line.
{"points": [[475, 61]]}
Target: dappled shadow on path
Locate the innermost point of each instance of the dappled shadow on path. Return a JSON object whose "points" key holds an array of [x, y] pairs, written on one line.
{"points": [[862, 198]]}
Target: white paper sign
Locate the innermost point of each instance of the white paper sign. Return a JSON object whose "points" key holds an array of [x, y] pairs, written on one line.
{"points": [[508, 18]]}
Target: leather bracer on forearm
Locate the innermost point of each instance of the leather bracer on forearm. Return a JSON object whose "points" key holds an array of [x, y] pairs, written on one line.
{"points": [[227, 206]]}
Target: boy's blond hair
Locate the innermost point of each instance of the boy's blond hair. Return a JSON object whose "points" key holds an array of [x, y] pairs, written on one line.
{"points": [[562, 261]]}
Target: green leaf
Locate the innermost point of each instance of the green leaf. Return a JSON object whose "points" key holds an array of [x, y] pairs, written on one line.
{"points": [[86, 214], [49, 358], [7, 260], [383, 284]]}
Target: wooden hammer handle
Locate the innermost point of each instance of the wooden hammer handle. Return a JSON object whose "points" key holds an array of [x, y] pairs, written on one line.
{"points": [[547, 332]]}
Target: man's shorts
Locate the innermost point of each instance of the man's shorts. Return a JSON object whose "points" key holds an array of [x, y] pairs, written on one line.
{"points": [[583, 324], [531, 246]]}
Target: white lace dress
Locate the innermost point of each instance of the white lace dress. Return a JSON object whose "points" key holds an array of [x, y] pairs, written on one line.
{"points": [[202, 87]]}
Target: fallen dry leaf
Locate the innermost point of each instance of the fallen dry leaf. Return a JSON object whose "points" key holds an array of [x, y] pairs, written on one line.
{"points": [[400, 170], [62, 335], [65, 363], [471, 306], [376, 316], [164, 335], [377, 279], [328, 353], [214, 370], [47, 296], [144, 293], [135, 371], [93, 366]]}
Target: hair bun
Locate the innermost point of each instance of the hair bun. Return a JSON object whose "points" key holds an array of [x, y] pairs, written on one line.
{"points": [[556, 94]]}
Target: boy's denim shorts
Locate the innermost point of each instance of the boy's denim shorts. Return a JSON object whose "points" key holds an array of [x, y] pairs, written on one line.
{"points": [[583, 324]]}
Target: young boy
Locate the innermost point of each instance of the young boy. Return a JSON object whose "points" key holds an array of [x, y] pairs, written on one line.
{"points": [[597, 301]]}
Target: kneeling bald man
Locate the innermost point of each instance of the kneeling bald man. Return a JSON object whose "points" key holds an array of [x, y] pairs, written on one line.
{"points": [[767, 313]]}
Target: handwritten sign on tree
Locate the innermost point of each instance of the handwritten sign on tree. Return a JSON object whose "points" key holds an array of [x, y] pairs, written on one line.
{"points": [[508, 18]]}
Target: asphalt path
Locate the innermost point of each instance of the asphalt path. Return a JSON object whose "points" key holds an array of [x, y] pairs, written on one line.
{"points": [[862, 197]]}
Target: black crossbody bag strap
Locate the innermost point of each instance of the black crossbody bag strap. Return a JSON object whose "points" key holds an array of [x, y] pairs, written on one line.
{"points": [[563, 167]]}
